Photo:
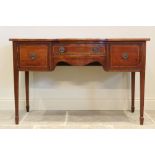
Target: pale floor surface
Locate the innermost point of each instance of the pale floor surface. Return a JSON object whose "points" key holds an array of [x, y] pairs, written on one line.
{"points": [[77, 119]]}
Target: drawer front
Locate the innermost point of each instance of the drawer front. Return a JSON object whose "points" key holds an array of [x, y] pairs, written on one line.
{"points": [[124, 56], [33, 56], [78, 49]]}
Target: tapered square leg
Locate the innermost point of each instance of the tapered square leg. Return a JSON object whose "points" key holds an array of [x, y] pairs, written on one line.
{"points": [[16, 94], [16, 119], [141, 120], [132, 91], [16, 83], [142, 87], [27, 90]]}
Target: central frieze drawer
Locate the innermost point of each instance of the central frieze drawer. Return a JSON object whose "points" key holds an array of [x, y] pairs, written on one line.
{"points": [[79, 49]]}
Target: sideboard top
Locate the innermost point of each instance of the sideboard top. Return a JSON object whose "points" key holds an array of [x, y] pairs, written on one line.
{"points": [[82, 39]]}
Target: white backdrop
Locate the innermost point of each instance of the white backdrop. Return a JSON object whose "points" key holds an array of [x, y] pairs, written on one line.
{"points": [[75, 87]]}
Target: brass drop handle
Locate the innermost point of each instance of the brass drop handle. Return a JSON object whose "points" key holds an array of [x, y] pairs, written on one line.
{"points": [[125, 56], [95, 49], [61, 49], [33, 56]]}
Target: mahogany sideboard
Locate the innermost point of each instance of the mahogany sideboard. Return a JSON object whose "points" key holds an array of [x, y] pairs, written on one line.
{"points": [[117, 55]]}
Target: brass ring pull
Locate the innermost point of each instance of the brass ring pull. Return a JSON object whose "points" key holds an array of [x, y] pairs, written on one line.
{"points": [[125, 56], [33, 56], [61, 49], [95, 49]]}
